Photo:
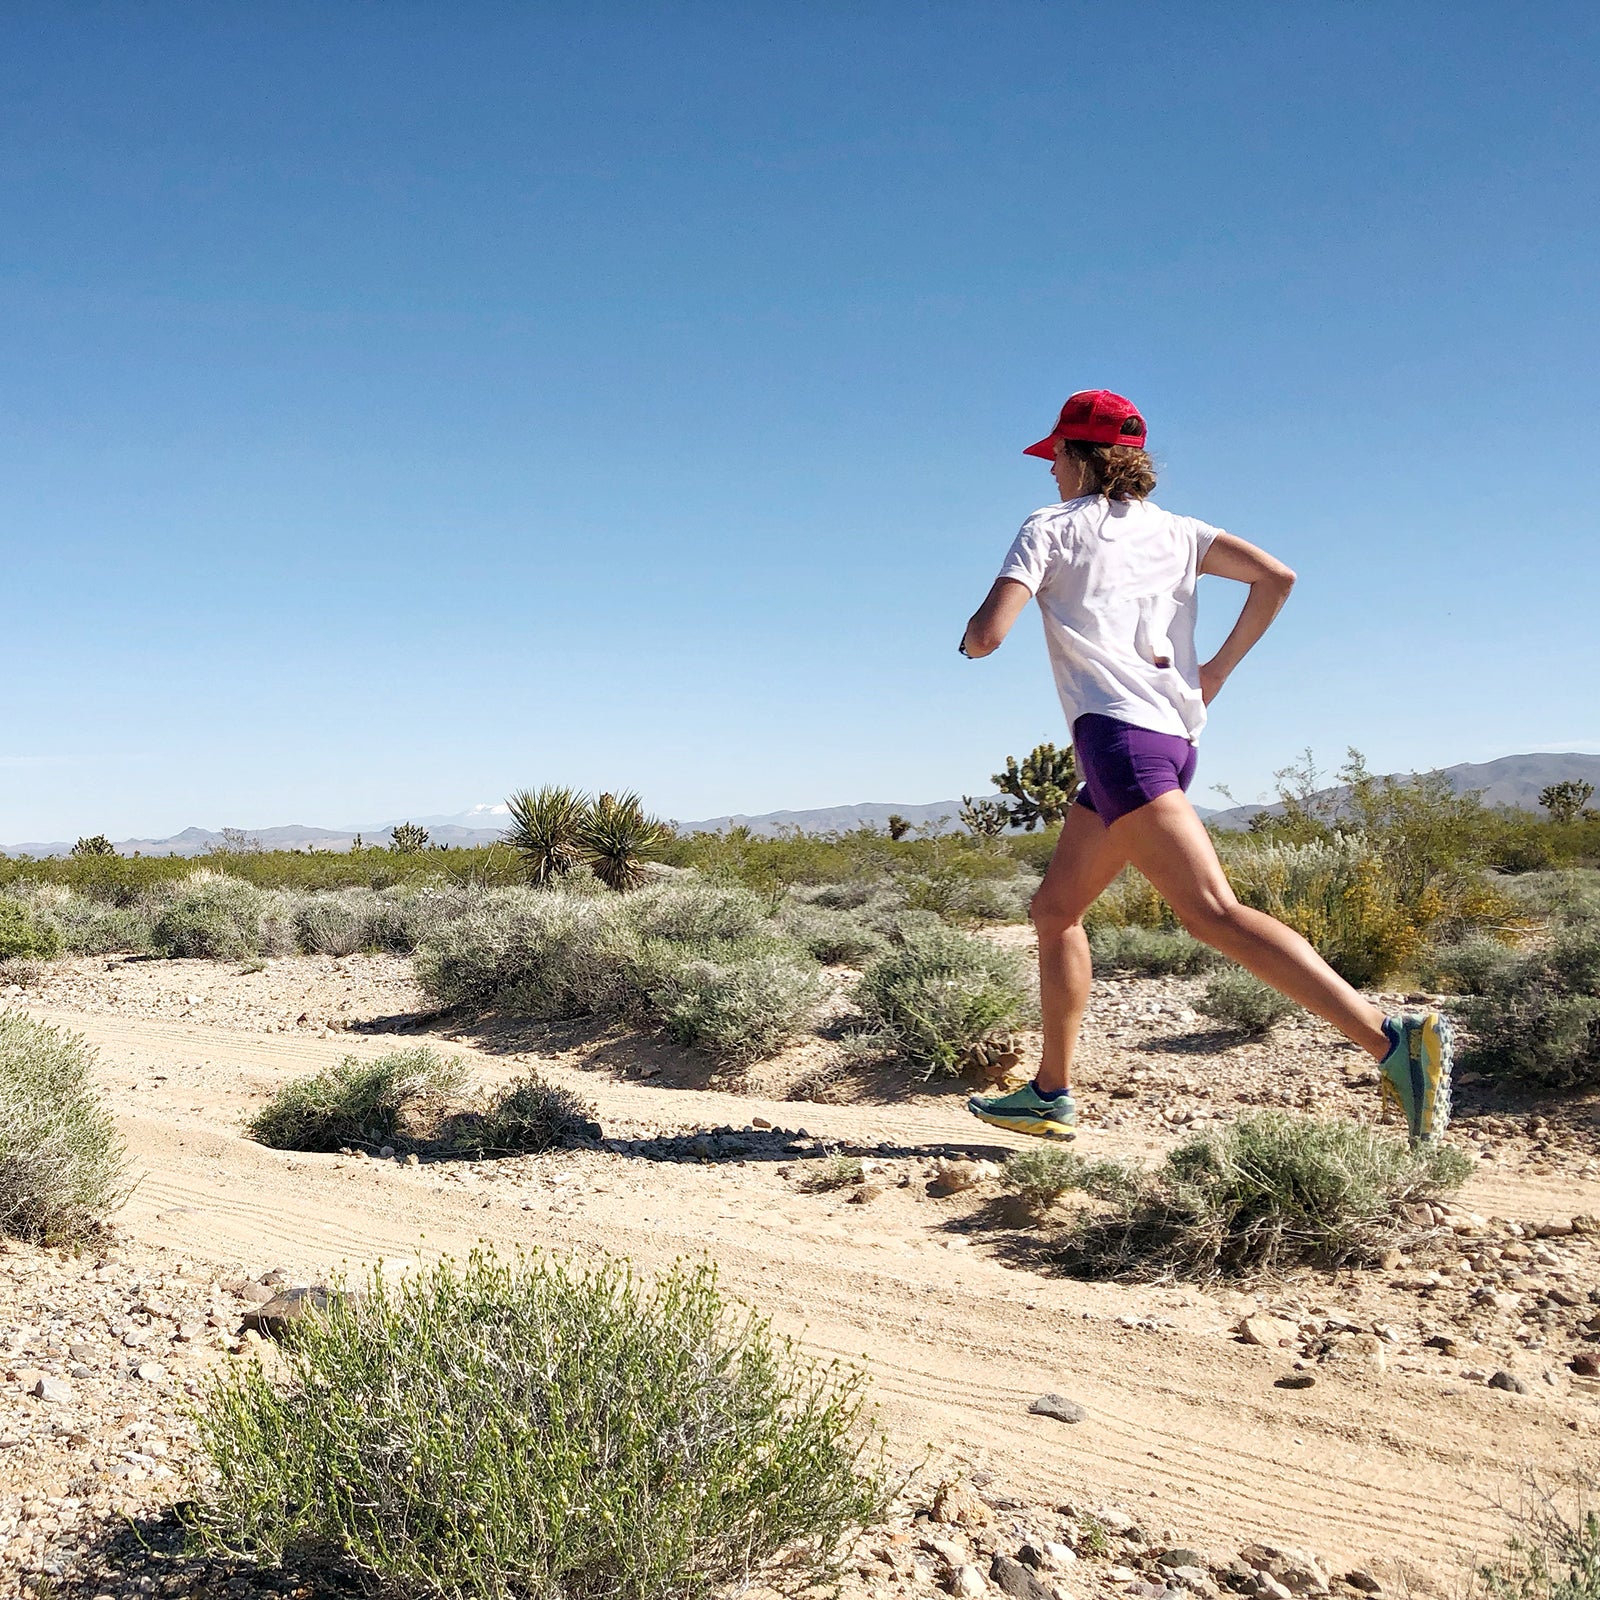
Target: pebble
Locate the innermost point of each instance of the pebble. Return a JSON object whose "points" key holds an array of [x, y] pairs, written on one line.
{"points": [[1059, 1407]]}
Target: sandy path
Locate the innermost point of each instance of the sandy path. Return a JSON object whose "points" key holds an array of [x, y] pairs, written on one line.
{"points": [[1184, 1422]]}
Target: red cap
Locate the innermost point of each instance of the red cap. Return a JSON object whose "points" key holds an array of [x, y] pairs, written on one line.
{"points": [[1096, 416]]}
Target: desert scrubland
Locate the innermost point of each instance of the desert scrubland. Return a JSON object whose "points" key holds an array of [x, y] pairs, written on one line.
{"points": [[755, 1055]]}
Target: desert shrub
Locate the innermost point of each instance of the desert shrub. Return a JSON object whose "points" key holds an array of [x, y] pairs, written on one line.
{"points": [[1045, 1173], [23, 971], [1538, 1016], [837, 1171], [701, 959], [1130, 902], [333, 924], [535, 953], [834, 937], [525, 1117], [1271, 1192], [1572, 895], [1150, 952], [1239, 1000], [1553, 1555], [399, 919], [356, 1105], [540, 1431], [1470, 967], [939, 992], [24, 935], [742, 1010], [692, 910], [211, 915], [82, 924], [62, 1168], [1340, 894]]}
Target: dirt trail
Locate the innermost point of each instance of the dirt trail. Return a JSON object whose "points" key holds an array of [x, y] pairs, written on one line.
{"points": [[1184, 1422]]}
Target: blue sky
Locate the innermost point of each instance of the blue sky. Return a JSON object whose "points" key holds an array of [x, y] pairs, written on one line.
{"points": [[403, 403]]}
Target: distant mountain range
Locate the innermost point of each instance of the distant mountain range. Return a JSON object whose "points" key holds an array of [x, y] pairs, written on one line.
{"points": [[1510, 781]]}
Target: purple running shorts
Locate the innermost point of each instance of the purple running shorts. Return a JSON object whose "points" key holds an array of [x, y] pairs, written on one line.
{"points": [[1124, 767]]}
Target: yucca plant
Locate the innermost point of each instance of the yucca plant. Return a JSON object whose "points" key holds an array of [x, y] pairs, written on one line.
{"points": [[616, 838], [545, 828]]}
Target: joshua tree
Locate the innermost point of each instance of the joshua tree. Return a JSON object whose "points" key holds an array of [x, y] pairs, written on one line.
{"points": [[408, 839], [1041, 788], [616, 838], [897, 825], [97, 845], [1565, 801], [544, 830], [985, 818]]}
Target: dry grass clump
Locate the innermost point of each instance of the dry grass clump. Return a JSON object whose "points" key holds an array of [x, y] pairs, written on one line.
{"points": [[357, 1105], [62, 1167], [837, 1171], [1269, 1193], [211, 915], [23, 936], [533, 1430]]}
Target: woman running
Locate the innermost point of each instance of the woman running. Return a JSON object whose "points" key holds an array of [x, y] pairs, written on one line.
{"points": [[1115, 577]]}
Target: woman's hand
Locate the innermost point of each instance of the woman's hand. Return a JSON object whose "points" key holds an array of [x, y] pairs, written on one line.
{"points": [[1212, 678]]}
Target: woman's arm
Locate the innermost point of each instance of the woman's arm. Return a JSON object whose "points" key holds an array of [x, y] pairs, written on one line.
{"points": [[991, 622], [1270, 582]]}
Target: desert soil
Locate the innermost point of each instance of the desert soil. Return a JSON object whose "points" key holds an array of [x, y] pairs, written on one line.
{"points": [[1397, 1458]]}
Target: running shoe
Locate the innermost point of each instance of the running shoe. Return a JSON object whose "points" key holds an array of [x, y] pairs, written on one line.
{"points": [[1416, 1073], [1025, 1110]]}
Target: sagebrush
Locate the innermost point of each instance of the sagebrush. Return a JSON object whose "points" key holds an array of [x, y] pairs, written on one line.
{"points": [[1269, 1193], [357, 1105], [524, 1428], [62, 1166]]}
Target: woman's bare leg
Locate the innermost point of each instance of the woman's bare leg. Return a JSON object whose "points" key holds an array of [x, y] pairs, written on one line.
{"points": [[1085, 861], [1168, 843]]}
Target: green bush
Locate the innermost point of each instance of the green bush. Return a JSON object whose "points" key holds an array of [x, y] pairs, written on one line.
{"points": [[62, 1168], [355, 1105], [24, 936], [1240, 1001], [740, 1011], [1538, 1017], [213, 915], [1150, 952], [1271, 1192], [526, 1117], [542, 1432], [938, 993]]}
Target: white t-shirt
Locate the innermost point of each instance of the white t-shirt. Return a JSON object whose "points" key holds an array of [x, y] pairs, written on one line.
{"points": [[1115, 583]]}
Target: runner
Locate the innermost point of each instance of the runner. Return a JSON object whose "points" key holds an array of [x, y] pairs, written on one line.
{"points": [[1115, 577]]}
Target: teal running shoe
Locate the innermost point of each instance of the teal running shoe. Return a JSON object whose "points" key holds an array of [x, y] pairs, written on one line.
{"points": [[1025, 1110], [1416, 1073]]}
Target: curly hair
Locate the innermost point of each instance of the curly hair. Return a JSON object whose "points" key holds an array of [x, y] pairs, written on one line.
{"points": [[1118, 471]]}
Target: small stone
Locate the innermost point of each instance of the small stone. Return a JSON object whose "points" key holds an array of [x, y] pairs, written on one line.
{"points": [[865, 1193], [1012, 1578], [150, 1371], [1059, 1407], [966, 1582], [54, 1390], [1298, 1571], [1180, 1556], [1586, 1365], [958, 1504], [1360, 1578], [760, 1122], [1272, 1332], [1508, 1381], [1294, 1380], [258, 1294]]}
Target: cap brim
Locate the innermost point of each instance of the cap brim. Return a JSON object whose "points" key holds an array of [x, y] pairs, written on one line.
{"points": [[1045, 449]]}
